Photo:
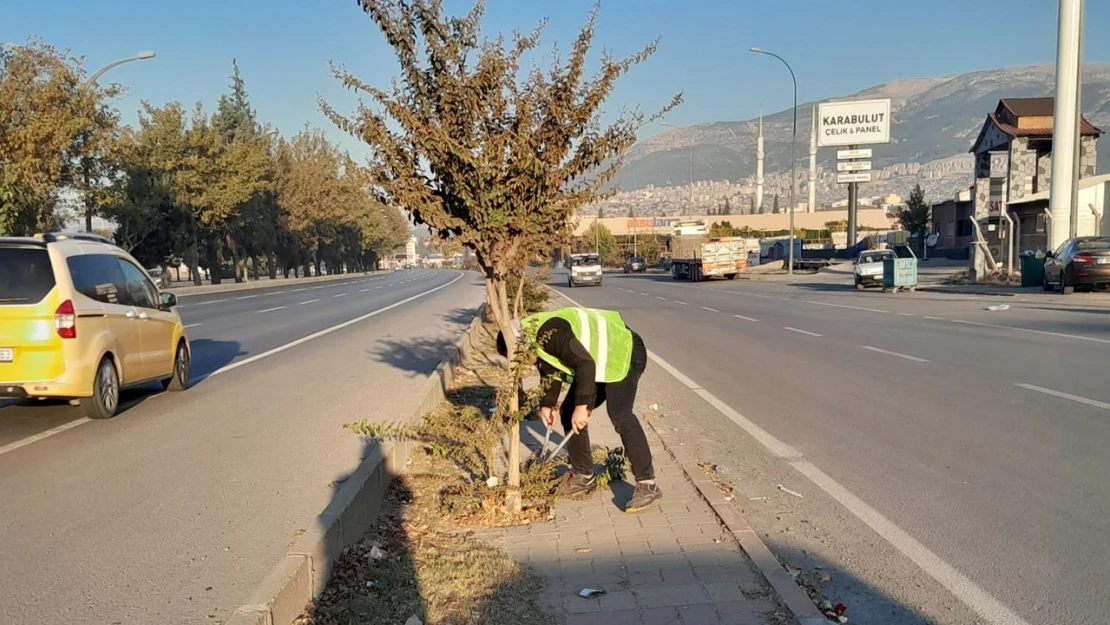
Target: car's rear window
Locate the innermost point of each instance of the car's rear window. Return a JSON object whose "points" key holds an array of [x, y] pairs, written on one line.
{"points": [[1094, 244], [25, 275]]}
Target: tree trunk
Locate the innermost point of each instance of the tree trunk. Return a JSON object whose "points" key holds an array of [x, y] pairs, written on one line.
{"points": [[194, 261], [518, 299], [215, 262], [272, 265], [496, 294]]}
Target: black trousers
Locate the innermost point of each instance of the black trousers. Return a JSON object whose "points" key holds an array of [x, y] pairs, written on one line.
{"points": [[620, 397]]}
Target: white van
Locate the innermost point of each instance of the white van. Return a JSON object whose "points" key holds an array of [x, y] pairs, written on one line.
{"points": [[583, 269]]}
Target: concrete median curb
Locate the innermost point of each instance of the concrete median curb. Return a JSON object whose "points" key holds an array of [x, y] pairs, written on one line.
{"points": [[956, 290], [205, 289], [796, 599], [301, 575]]}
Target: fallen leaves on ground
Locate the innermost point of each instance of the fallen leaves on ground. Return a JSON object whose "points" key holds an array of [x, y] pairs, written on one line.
{"points": [[408, 565]]}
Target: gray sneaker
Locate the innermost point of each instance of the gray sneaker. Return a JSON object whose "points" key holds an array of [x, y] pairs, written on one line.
{"points": [[643, 496], [578, 484]]}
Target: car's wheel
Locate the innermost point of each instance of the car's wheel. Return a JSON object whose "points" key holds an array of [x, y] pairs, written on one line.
{"points": [[105, 398], [730, 276], [1065, 287], [182, 370], [859, 286], [570, 283]]}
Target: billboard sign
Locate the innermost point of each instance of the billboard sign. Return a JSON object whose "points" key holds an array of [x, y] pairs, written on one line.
{"points": [[858, 122]]}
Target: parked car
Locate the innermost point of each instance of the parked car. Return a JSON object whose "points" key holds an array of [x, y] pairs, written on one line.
{"points": [[583, 269], [868, 268], [635, 264], [1078, 262], [81, 320]]}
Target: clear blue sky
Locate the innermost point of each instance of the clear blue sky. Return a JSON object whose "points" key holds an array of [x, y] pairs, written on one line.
{"points": [[283, 46]]}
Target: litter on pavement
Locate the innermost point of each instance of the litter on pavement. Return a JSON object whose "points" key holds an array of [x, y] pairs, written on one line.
{"points": [[586, 593], [790, 492], [998, 307]]}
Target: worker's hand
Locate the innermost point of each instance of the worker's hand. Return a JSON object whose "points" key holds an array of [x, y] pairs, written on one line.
{"points": [[547, 415], [580, 419]]}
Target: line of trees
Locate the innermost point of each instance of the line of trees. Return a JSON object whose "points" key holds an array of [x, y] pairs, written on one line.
{"points": [[220, 191]]}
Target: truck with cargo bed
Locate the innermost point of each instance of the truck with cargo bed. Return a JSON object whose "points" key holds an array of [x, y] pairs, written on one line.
{"points": [[696, 256]]}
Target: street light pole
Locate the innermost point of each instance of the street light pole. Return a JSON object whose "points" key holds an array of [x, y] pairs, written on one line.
{"points": [[89, 207], [793, 145]]}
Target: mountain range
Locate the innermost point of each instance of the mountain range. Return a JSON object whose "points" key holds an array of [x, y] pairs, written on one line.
{"points": [[932, 121]]}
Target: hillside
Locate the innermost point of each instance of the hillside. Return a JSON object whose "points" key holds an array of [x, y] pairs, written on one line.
{"points": [[933, 119]]}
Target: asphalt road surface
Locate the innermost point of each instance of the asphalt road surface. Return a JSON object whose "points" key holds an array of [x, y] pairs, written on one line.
{"points": [[951, 460], [176, 509]]}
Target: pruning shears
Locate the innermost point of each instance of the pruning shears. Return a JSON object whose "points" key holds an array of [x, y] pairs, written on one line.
{"points": [[547, 439]]}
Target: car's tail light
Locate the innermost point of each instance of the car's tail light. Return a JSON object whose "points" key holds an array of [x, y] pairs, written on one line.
{"points": [[1082, 258], [65, 320]]}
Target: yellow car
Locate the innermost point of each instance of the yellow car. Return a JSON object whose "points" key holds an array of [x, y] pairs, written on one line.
{"points": [[81, 320]]}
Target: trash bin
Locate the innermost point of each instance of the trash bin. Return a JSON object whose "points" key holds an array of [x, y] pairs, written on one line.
{"points": [[899, 271], [1032, 270]]}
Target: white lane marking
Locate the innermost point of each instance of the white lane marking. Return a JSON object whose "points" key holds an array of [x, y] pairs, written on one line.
{"points": [[326, 331], [660, 298], [191, 325], [274, 293], [377, 287], [1062, 395], [745, 318], [340, 295], [710, 309], [311, 301], [971, 594], [317, 287], [646, 294], [41, 435], [681, 303], [966, 590], [247, 297], [806, 332], [363, 290], [270, 310], [934, 318], [890, 353], [816, 303], [906, 315], [215, 301], [299, 290], [1061, 335]]}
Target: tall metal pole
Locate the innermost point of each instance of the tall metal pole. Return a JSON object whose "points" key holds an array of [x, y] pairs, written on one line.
{"points": [[793, 156], [90, 207], [1064, 128], [1077, 164]]}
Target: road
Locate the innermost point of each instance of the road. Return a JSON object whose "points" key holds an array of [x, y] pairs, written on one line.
{"points": [[951, 459], [177, 508]]}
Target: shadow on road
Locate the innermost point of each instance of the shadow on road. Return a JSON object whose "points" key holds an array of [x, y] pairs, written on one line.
{"points": [[421, 356], [209, 355]]}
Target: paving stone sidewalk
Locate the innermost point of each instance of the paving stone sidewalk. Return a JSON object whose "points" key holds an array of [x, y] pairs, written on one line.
{"points": [[673, 564]]}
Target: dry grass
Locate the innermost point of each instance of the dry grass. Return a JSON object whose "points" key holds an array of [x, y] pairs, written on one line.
{"points": [[427, 570]]}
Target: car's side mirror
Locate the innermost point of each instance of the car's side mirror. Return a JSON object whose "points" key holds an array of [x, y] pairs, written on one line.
{"points": [[169, 300]]}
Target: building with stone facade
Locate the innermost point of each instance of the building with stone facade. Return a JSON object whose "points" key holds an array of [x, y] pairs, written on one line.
{"points": [[1021, 130]]}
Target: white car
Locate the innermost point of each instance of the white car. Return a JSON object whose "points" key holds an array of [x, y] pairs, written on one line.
{"points": [[869, 267], [583, 269]]}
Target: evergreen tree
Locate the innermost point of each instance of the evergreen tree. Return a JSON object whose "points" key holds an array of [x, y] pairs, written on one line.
{"points": [[753, 210], [727, 210], [775, 207]]}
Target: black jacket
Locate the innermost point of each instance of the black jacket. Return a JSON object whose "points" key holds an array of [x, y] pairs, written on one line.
{"points": [[557, 338]]}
